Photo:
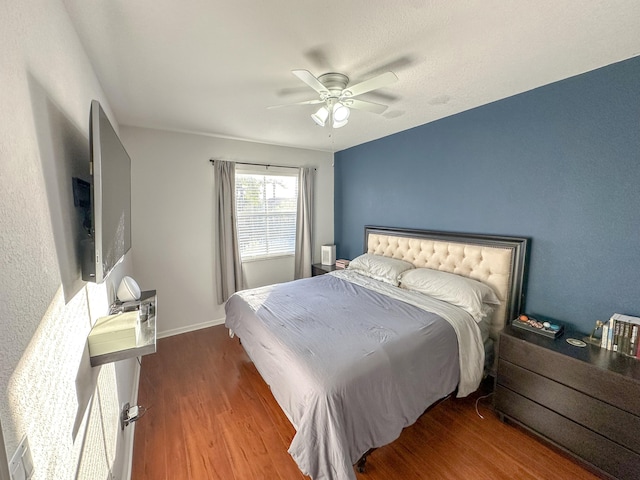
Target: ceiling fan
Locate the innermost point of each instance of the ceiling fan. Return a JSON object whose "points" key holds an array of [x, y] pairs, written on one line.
{"points": [[337, 96]]}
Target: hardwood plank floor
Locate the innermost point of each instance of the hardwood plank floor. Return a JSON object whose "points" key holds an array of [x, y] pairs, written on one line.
{"points": [[211, 416]]}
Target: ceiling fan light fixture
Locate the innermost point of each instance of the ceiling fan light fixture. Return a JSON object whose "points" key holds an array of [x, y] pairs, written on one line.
{"points": [[320, 117], [337, 124], [336, 99], [340, 114]]}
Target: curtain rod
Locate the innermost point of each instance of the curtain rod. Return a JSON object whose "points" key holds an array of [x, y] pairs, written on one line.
{"points": [[262, 164]]}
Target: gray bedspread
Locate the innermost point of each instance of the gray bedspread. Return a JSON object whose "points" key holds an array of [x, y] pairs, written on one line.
{"points": [[349, 366]]}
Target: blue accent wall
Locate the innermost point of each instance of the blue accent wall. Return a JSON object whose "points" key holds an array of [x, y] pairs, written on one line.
{"points": [[559, 164]]}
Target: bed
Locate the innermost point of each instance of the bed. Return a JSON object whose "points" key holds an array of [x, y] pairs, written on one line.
{"points": [[355, 356]]}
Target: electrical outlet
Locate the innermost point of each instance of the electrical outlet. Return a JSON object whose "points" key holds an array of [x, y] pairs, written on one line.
{"points": [[21, 465], [124, 416]]}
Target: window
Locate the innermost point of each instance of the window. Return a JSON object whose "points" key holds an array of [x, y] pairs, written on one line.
{"points": [[266, 207]]}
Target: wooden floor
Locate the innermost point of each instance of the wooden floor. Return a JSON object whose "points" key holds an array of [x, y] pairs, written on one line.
{"points": [[211, 416]]}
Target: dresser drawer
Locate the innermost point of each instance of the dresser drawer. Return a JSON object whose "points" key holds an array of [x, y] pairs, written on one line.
{"points": [[610, 387], [615, 424], [586, 444]]}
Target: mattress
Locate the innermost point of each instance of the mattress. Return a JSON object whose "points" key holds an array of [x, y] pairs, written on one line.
{"points": [[352, 361]]}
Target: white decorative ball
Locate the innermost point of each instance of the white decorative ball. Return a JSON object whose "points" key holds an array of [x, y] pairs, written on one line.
{"points": [[128, 290]]}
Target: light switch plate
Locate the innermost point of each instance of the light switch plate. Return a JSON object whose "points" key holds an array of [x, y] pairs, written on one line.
{"points": [[21, 464]]}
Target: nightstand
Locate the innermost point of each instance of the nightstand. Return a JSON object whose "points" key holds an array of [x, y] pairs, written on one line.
{"points": [[584, 400], [145, 343], [320, 269]]}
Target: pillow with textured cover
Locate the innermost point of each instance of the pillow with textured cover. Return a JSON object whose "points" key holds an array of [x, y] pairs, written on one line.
{"points": [[378, 267], [468, 294]]}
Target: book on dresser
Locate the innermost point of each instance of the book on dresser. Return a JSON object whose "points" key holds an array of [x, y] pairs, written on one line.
{"points": [[622, 334]]}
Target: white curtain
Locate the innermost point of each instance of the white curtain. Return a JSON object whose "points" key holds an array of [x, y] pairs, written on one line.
{"points": [[228, 268], [304, 253]]}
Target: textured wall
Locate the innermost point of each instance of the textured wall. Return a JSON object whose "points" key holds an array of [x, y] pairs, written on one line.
{"points": [[49, 392], [559, 164]]}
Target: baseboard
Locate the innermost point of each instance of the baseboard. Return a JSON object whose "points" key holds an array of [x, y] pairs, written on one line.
{"points": [[190, 328]]}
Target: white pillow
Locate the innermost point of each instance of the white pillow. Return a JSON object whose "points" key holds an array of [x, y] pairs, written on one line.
{"points": [[378, 267], [464, 292]]}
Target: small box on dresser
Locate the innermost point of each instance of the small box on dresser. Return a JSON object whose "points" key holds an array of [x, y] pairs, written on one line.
{"points": [[584, 400]]}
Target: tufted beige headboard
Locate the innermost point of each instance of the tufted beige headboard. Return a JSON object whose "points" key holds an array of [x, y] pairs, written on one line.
{"points": [[498, 261]]}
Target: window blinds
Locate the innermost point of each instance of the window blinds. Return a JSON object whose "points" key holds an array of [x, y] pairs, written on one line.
{"points": [[266, 207]]}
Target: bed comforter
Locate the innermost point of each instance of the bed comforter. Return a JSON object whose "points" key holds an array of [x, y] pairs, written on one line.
{"points": [[352, 361]]}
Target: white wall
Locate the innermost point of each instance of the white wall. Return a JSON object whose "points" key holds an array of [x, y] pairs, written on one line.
{"points": [[257, 273], [173, 218], [49, 392]]}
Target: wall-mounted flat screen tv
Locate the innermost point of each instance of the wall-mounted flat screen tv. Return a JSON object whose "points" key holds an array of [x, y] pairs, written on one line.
{"points": [[110, 223]]}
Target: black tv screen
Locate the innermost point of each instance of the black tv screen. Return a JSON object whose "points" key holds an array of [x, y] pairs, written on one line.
{"points": [[110, 231]]}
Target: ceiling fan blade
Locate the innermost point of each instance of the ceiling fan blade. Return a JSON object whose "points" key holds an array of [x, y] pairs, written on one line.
{"points": [[380, 81], [319, 57], [380, 96], [363, 105], [310, 80], [289, 91], [307, 102], [392, 65]]}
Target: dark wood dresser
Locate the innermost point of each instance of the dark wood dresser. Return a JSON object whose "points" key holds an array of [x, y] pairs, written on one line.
{"points": [[584, 400]]}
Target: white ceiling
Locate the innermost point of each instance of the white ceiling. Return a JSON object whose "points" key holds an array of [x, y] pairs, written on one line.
{"points": [[213, 66]]}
